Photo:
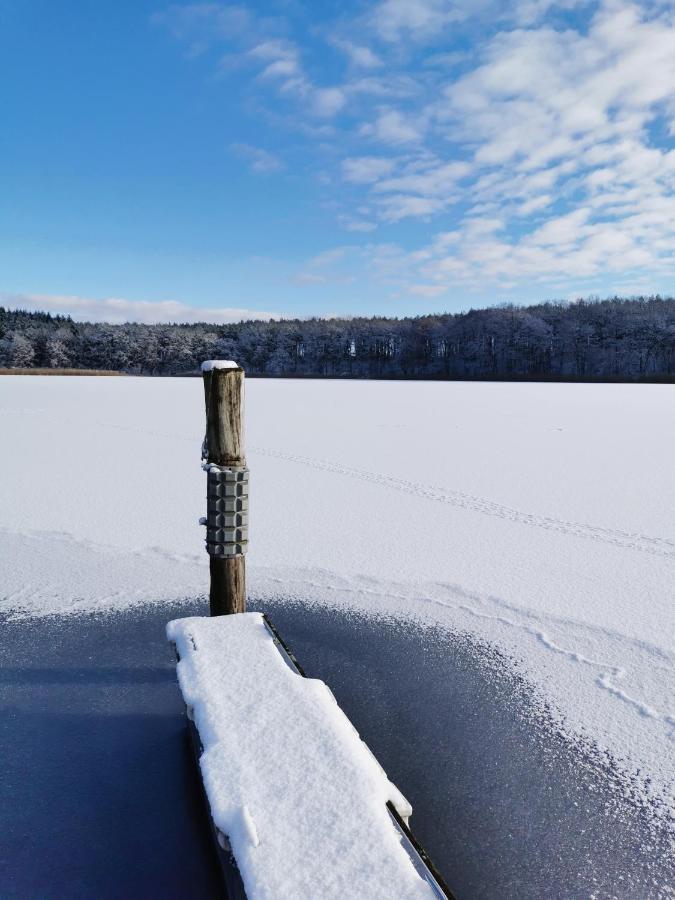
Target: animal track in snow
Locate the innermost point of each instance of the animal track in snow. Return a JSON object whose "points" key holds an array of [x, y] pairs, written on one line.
{"points": [[609, 675], [640, 543]]}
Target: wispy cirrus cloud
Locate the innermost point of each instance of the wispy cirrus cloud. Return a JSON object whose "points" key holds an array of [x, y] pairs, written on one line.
{"points": [[326, 268], [201, 25], [366, 169], [260, 161], [358, 55], [417, 20]]}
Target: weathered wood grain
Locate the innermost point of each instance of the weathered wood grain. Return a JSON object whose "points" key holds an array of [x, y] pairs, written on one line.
{"points": [[224, 402], [224, 406], [228, 585]]}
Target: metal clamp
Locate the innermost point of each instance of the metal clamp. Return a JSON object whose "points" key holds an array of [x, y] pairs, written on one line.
{"points": [[226, 510]]}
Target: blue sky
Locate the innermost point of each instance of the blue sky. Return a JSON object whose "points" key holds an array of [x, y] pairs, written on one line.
{"points": [[211, 160]]}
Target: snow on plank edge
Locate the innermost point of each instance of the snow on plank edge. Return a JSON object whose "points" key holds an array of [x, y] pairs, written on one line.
{"points": [[300, 797]]}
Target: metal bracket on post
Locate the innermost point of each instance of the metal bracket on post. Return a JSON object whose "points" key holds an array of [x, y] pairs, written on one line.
{"points": [[226, 510]]}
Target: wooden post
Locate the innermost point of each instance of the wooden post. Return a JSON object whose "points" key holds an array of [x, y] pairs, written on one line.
{"points": [[224, 446]]}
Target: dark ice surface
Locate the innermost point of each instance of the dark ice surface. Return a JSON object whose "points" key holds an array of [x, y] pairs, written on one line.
{"points": [[99, 796], [503, 803]]}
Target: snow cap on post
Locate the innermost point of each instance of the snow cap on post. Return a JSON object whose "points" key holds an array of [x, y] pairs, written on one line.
{"points": [[210, 364]]}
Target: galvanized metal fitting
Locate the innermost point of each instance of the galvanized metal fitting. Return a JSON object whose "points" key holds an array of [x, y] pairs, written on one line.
{"points": [[226, 510]]}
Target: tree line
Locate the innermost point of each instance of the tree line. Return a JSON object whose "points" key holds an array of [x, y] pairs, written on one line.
{"points": [[613, 339]]}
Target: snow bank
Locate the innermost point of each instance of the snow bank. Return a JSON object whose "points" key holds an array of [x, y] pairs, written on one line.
{"points": [[290, 783]]}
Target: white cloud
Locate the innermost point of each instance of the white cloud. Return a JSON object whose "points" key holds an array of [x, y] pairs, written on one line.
{"points": [[308, 278], [260, 161], [366, 169], [328, 257], [543, 148], [446, 60], [331, 266], [553, 127], [328, 101], [393, 86], [202, 24], [422, 188], [280, 59], [117, 310], [352, 224], [281, 63], [562, 231], [427, 290], [436, 180], [534, 205], [526, 12], [395, 20], [422, 21], [359, 56], [543, 95], [394, 127], [406, 206]]}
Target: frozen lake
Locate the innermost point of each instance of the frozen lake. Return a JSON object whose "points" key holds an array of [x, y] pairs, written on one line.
{"points": [[533, 519], [94, 753]]}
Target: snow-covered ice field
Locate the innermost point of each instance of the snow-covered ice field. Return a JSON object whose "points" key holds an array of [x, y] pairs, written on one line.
{"points": [[538, 517]]}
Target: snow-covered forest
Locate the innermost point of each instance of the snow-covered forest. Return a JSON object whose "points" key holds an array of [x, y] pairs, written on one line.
{"points": [[613, 339]]}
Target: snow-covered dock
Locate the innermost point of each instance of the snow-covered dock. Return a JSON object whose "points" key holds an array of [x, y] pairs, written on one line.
{"points": [[293, 790]]}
